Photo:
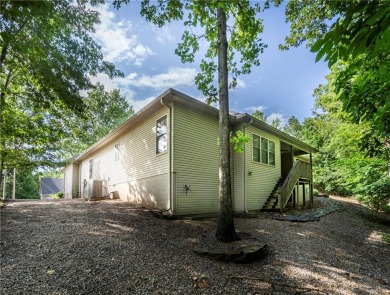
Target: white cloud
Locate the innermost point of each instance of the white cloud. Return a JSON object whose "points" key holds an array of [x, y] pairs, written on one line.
{"points": [[166, 35], [274, 116], [117, 41], [252, 109], [240, 83], [139, 104], [173, 78]]}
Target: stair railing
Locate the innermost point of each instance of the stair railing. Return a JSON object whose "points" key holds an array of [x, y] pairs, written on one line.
{"points": [[299, 169]]}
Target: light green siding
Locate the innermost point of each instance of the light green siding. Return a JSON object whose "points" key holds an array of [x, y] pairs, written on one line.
{"points": [[131, 167], [262, 178], [195, 161]]}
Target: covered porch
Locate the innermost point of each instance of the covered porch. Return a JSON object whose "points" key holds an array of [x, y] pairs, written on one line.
{"points": [[294, 189]]}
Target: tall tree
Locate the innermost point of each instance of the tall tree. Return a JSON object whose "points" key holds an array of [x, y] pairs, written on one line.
{"points": [[46, 57], [293, 127], [243, 32], [340, 167], [359, 36], [103, 112]]}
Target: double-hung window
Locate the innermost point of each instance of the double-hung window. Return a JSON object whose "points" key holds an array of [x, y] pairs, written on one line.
{"points": [[161, 135], [263, 150]]}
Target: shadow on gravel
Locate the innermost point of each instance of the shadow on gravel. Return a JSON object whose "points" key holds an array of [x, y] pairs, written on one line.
{"points": [[116, 248]]}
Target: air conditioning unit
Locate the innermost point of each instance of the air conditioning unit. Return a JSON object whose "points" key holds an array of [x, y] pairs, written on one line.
{"points": [[98, 188]]}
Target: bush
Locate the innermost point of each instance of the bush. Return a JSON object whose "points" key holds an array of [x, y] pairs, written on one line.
{"points": [[58, 195], [376, 195]]}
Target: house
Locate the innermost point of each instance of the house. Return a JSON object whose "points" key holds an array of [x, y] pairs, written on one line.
{"points": [[50, 186], [166, 157]]}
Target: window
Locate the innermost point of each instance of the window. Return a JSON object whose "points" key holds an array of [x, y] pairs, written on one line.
{"points": [[117, 151], [256, 148], [90, 168], [263, 150], [271, 149], [161, 135]]}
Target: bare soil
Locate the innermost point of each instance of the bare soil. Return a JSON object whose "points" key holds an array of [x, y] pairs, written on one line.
{"points": [[113, 247]]}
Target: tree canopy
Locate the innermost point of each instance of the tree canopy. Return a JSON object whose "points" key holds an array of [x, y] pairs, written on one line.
{"points": [[359, 42], [47, 56], [340, 167]]}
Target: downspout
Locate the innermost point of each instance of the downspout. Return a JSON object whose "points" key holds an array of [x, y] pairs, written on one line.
{"points": [[243, 130], [170, 208]]}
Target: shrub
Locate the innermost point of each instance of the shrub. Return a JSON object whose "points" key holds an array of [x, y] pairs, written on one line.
{"points": [[58, 195], [376, 194]]}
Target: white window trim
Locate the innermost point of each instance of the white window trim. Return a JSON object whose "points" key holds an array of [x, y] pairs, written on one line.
{"points": [[158, 136], [260, 157]]}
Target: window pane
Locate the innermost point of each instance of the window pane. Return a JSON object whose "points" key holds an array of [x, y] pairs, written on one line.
{"points": [[90, 168], [162, 126], [161, 135], [256, 148], [271, 153], [161, 143], [264, 150]]}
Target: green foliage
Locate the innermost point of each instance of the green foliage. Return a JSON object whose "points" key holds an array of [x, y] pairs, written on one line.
{"points": [[75, 192], [360, 37], [104, 111], [58, 195], [340, 167], [373, 191], [293, 127], [244, 44], [239, 140], [259, 115], [47, 55]]}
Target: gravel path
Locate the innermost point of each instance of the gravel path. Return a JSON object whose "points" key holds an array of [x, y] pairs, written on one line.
{"points": [[112, 247]]}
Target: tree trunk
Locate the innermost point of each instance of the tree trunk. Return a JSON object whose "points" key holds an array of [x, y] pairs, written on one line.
{"points": [[225, 227]]}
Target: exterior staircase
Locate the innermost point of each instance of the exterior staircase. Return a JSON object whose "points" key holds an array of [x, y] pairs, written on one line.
{"points": [[286, 186], [272, 203]]}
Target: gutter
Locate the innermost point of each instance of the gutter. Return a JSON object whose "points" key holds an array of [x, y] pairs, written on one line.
{"points": [[170, 208]]}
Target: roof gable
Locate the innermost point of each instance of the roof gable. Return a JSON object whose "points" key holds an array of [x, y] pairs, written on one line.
{"points": [[172, 95]]}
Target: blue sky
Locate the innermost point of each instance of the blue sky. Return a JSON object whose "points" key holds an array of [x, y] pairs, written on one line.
{"points": [[282, 86]]}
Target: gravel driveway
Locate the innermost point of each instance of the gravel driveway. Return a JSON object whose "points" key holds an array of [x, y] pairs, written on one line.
{"points": [[113, 247]]}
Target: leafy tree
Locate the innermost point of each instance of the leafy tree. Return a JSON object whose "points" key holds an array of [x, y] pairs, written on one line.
{"points": [[259, 115], [340, 167], [103, 112], [293, 127], [276, 123], [235, 56], [46, 57], [359, 36], [262, 117]]}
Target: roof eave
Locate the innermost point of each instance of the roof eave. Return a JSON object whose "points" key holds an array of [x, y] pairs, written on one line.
{"points": [[245, 118]]}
